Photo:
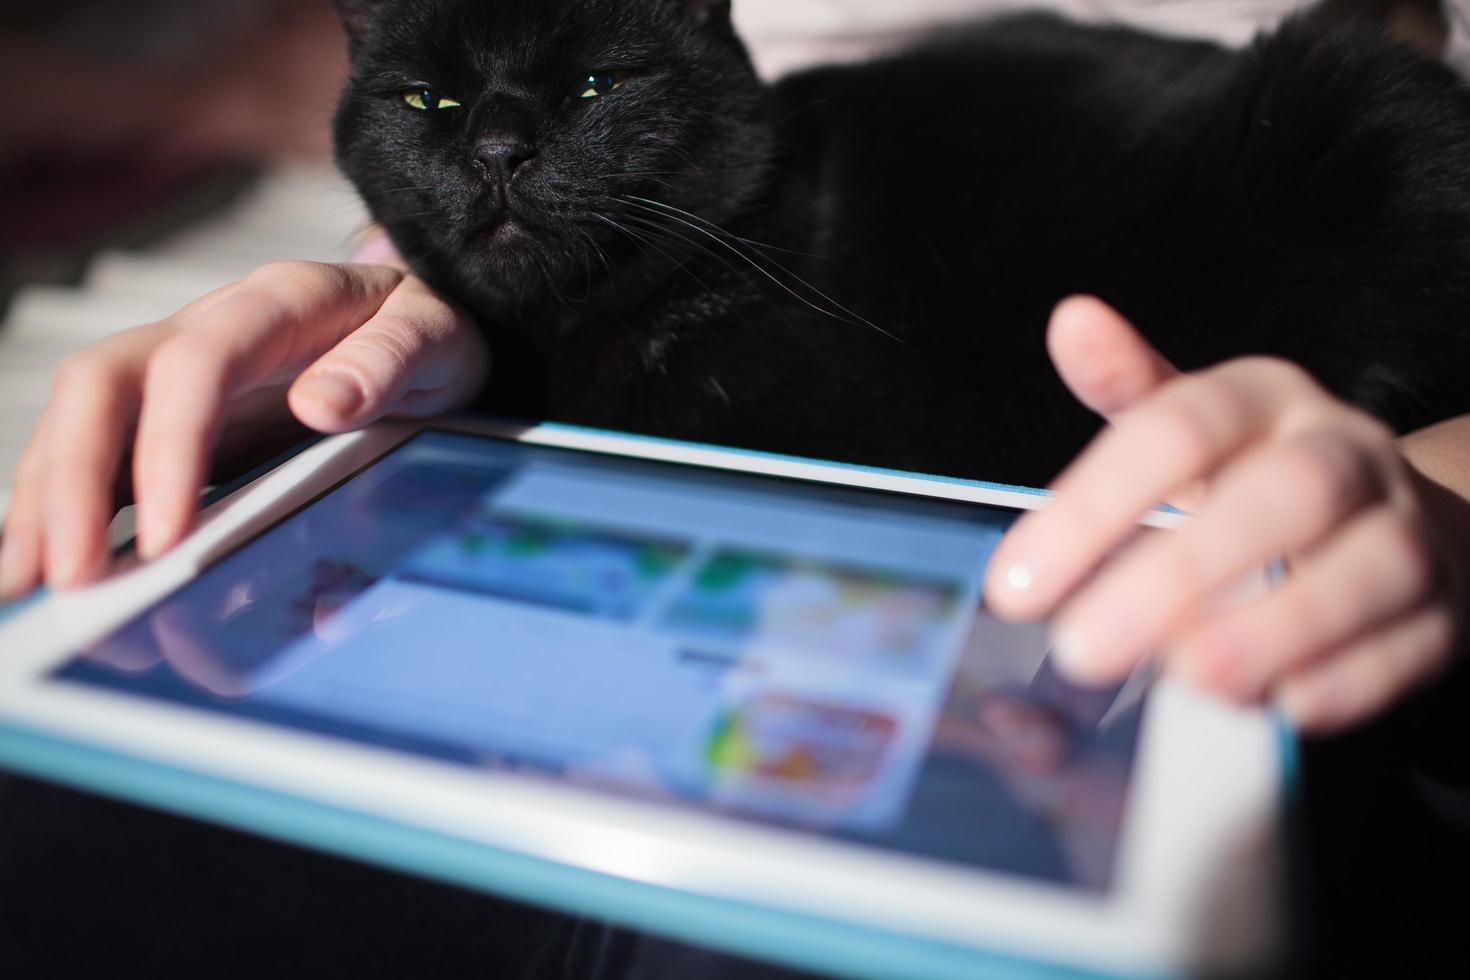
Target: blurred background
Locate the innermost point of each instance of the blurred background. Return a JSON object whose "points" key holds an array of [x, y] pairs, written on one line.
{"points": [[153, 150]]}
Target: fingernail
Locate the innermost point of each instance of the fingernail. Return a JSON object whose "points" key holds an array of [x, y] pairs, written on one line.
{"points": [[64, 572], [152, 535], [10, 585], [1020, 577], [63, 547], [336, 391]]}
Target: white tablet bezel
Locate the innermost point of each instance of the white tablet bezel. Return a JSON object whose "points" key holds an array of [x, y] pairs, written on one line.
{"points": [[1194, 879]]}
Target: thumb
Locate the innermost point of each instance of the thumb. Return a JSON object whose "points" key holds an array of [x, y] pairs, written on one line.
{"points": [[1104, 361], [419, 355]]}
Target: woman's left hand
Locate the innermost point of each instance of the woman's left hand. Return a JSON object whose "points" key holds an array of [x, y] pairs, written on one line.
{"points": [[1271, 465]]}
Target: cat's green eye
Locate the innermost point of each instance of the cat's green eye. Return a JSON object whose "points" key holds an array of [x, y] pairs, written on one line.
{"points": [[425, 99], [597, 83]]}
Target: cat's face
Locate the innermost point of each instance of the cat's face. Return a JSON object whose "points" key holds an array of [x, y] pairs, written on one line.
{"points": [[500, 141]]}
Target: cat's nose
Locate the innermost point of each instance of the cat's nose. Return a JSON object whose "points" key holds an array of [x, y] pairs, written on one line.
{"points": [[497, 156]]}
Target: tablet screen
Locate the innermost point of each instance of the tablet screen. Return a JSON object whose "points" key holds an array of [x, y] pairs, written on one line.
{"points": [[777, 651]]}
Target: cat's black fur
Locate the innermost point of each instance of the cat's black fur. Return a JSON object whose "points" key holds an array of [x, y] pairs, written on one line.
{"points": [[918, 217]]}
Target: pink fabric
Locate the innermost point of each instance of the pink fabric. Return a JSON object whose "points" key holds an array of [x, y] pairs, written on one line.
{"points": [[377, 250], [788, 34]]}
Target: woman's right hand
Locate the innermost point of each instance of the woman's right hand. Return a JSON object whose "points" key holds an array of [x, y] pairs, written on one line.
{"points": [[335, 346]]}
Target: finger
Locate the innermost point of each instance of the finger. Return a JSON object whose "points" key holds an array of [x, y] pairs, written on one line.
{"points": [[1100, 356], [1360, 680], [273, 323], [1376, 571], [1275, 500], [21, 548], [1110, 367], [75, 458], [1180, 435], [69, 472], [417, 356], [93, 407]]}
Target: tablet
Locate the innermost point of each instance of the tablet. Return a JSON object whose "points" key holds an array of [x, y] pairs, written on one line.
{"points": [[746, 700]]}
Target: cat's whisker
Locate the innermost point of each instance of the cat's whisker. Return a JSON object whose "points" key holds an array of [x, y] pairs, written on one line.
{"points": [[684, 155], [649, 239], [651, 175], [598, 250], [365, 196], [390, 190], [681, 265], [343, 208], [418, 265], [654, 222], [652, 225], [357, 235], [585, 257], [758, 246], [712, 230], [645, 234], [856, 317], [593, 250], [381, 192], [553, 290]]}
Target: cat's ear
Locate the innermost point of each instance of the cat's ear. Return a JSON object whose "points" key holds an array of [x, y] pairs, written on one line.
{"points": [[358, 15], [704, 12]]}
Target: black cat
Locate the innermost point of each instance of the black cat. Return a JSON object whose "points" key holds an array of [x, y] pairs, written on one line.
{"points": [[858, 262]]}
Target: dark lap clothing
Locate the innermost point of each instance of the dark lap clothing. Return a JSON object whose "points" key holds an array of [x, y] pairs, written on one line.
{"points": [[89, 886], [1383, 837]]}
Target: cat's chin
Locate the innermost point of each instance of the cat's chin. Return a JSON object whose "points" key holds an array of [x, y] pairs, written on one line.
{"points": [[516, 257], [506, 233], [506, 244]]}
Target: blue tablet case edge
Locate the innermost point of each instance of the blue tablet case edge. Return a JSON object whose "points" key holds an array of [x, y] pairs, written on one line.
{"points": [[801, 941]]}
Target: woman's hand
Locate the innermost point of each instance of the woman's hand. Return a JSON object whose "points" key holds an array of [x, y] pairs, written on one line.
{"points": [[337, 346], [1271, 465]]}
